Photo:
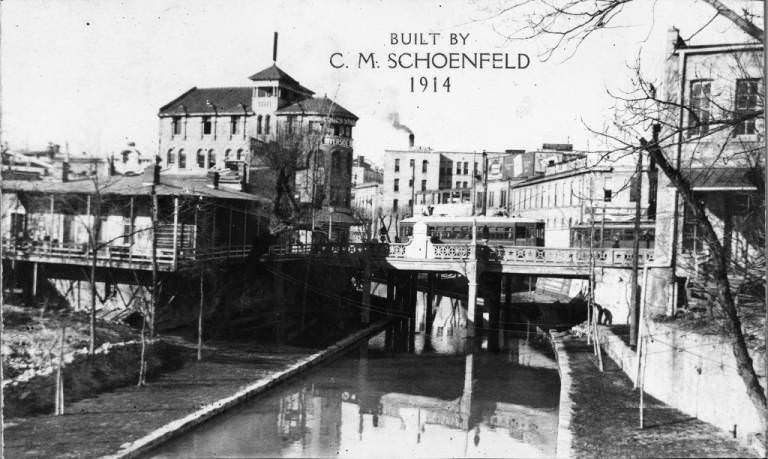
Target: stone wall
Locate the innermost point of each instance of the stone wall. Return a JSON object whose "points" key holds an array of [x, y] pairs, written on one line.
{"points": [[692, 372]]}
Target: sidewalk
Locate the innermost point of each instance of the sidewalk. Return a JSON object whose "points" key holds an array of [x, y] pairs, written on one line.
{"points": [[98, 426], [605, 416]]}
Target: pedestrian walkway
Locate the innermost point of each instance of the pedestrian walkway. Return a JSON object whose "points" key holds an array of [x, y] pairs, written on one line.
{"points": [[605, 417], [97, 426]]}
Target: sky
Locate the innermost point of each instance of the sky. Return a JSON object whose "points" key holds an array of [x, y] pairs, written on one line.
{"points": [[92, 74]]}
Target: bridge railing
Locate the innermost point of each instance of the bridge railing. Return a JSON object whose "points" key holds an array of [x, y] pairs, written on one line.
{"points": [[508, 254]]}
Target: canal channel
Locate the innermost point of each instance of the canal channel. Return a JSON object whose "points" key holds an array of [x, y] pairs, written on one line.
{"points": [[371, 402]]}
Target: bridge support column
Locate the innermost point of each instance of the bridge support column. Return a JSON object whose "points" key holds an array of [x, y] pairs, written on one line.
{"points": [[471, 298], [491, 283], [279, 299], [365, 312], [465, 405], [428, 317], [413, 287], [389, 308]]}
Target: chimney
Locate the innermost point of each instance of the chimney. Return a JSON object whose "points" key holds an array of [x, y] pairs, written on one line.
{"points": [[112, 165], [215, 180], [411, 139], [65, 171]]}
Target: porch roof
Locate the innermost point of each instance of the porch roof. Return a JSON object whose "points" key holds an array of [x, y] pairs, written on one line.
{"points": [[719, 179], [121, 185]]}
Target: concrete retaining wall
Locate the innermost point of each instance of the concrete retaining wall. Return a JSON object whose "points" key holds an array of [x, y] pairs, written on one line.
{"points": [[564, 436], [692, 372], [174, 428]]}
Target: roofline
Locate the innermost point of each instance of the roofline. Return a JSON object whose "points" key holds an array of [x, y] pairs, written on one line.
{"points": [[547, 178], [184, 94], [193, 114]]}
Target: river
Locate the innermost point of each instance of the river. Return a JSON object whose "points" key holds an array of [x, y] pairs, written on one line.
{"points": [[375, 403]]}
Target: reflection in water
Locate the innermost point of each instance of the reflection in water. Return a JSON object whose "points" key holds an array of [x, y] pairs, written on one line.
{"points": [[376, 404]]}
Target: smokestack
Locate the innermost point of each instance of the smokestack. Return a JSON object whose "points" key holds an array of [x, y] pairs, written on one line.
{"points": [[411, 139], [274, 48], [65, 171], [215, 180]]}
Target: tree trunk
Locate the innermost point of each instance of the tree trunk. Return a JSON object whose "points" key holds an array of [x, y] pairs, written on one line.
{"points": [[744, 364]]}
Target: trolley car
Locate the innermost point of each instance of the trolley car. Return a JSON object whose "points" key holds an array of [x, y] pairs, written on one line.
{"points": [[494, 230]]}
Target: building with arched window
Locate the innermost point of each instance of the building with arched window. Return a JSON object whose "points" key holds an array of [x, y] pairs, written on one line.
{"points": [[273, 109]]}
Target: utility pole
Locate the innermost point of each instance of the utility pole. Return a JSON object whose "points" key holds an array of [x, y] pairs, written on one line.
{"points": [[153, 306], [485, 182], [474, 183]]}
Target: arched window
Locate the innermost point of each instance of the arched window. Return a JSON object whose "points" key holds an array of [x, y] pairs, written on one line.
{"points": [[266, 124], [211, 158], [227, 154], [258, 124], [200, 158], [182, 159], [170, 158], [239, 154]]}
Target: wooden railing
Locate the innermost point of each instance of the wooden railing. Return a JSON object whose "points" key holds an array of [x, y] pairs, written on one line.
{"points": [[507, 254], [118, 255]]}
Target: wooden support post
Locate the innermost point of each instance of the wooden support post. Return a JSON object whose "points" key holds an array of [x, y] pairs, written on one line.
{"points": [[200, 318], [229, 234], [131, 230], [175, 233], [465, 403], [245, 229], [428, 316]]}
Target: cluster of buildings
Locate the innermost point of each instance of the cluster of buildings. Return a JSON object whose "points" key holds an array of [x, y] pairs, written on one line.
{"points": [[272, 147]]}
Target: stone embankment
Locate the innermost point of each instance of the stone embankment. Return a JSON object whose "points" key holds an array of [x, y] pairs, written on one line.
{"points": [[600, 414], [129, 421]]}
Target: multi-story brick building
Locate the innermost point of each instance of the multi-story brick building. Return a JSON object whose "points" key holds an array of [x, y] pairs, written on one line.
{"points": [[226, 129]]}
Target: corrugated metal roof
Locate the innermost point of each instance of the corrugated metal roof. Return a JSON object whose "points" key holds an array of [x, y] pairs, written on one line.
{"points": [[131, 186]]}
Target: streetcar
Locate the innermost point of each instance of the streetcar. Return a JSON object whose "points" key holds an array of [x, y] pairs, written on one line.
{"points": [[494, 230]]}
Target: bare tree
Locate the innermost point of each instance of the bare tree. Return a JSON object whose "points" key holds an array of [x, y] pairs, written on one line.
{"points": [[642, 109]]}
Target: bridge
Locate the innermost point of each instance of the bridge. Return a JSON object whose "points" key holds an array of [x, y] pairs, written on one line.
{"points": [[485, 266], [504, 258]]}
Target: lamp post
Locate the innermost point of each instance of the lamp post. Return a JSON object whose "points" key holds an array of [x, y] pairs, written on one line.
{"points": [[330, 224]]}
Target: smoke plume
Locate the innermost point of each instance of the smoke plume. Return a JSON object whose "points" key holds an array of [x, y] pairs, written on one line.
{"points": [[394, 117]]}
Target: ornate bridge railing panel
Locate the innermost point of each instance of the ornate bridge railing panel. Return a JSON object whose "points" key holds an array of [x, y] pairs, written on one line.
{"points": [[450, 251], [506, 254]]}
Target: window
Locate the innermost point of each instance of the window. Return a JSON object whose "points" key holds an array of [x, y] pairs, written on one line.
{"points": [[466, 167], [207, 125], [607, 195], [555, 195], [182, 159], [397, 165], [491, 198], [410, 183], [458, 168], [170, 157], [423, 185], [397, 185], [746, 105], [336, 128], [699, 115], [239, 156], [258, 124], [410, 203], [464, 184], [458, 184], [264, 92], [503, 199], [234, 125], [394, 204], [176, 125], [200, 157], [424, 166], [211, 158]]}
